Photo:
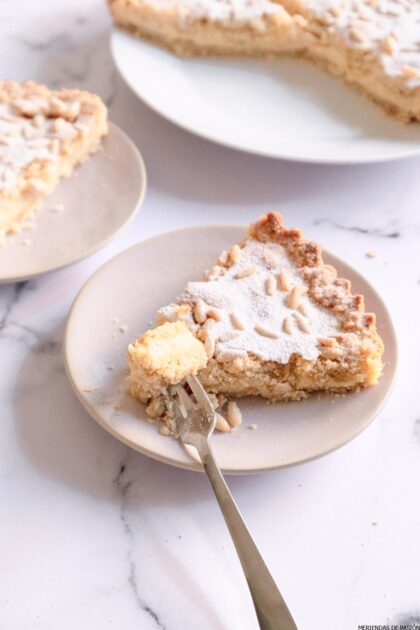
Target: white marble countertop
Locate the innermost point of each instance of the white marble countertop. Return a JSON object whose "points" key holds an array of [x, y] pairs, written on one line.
{"points": [[93, 535]]}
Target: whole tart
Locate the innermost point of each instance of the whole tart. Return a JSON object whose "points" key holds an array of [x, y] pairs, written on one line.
{"points": [[44, 134], [270, 319], [374, 45]]}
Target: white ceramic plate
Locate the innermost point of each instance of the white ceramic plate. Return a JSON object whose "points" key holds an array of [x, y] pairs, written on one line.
{"points": [[100, 197], [129, 289], [284, 108]]}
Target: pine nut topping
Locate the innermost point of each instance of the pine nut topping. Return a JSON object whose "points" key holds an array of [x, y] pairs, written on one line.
{"points": [[302, 323], [331, 353], [58, 125], [38, 120], [287, 325], [328, 342], [270, 285], [265, 332], [357, 35], [214, 313], [302, 309], [210, 346], [293, 299], [245, 273], [221, 424], [335, 11], [234, 416], [389, 44], [237, 321], [283, 281], [235, 253], [410, 72], [223, 258], [200, 314]]}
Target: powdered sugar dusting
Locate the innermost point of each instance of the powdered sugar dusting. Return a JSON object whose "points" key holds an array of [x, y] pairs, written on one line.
{"points": [[220, 10], [24, 139], [247, 298], [388, 29]]}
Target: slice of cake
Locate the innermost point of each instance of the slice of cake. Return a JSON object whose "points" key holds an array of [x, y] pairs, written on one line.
{"points": [[373, 45], [270, 319], [212, 27], [43, 135]]}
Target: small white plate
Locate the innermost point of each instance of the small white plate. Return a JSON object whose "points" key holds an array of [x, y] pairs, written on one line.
{"points": [[283, 108], [101, 196], [129, 289]]}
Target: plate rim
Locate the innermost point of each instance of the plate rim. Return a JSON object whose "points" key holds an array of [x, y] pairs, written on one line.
{"points": [[193, 465], [102, 243], [274, 155]]}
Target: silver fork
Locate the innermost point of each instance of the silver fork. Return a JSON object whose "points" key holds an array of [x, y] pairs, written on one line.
{"points": [[195, 422]]}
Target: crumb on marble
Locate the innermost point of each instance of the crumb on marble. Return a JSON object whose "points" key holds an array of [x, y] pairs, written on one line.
{"points": [[88, 390], [371, 254], [123, 328], [110, 367], [374, 523], [253, 427], [26, 241], [59, 207]]}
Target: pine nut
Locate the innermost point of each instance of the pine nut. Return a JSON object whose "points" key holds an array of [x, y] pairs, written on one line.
{"points": [[287, 325], [283, 281], [331, 353], [210, 346], [302, 323], [270, 285], [328, 342], [237, 321], [200, 314], [223, 258], [389, 44], [234, 416], [38, 120], [214, 313], [303, 309], [293, 299], [245, 273], [265, 332], [410, 72], [357, 35], [58, 125], [235, 253], [222, 424]]}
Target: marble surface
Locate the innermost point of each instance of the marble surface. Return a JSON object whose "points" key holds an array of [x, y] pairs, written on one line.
{"points": [[93, 535]]}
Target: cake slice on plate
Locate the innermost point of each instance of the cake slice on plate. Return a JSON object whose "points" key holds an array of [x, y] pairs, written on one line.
{"points": [[270, 319], [44, 134], [212, 27], [373, 45]]}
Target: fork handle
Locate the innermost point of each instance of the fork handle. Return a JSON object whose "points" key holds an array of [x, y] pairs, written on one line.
{"points": [[270, 606]]}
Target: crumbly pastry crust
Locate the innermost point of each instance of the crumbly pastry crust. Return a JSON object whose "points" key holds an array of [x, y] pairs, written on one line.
{"points": [[44, 134], [373, 45], [323, 340]]}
